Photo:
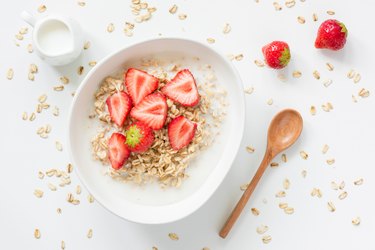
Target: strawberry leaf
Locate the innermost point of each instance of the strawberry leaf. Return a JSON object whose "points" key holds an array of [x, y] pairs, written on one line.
{"points": [[285, 57], [343, 29]]}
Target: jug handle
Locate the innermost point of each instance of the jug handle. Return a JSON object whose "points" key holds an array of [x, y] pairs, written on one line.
{"points": [[27, 17]]}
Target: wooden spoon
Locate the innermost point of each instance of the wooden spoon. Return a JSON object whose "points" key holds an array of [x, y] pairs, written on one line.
{"points": [[284, 130]]}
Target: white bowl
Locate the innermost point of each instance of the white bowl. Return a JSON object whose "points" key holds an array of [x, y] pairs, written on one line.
{"points": [[150, 204]]}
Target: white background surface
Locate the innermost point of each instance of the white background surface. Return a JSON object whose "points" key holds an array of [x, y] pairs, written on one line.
{"points": [[348, 130]]}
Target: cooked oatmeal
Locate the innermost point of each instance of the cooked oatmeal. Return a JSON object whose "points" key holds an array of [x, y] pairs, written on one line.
{"points": [[160, 162]]}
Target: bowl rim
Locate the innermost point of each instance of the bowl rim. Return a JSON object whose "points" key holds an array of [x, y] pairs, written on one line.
{"points": [[239, 129]]}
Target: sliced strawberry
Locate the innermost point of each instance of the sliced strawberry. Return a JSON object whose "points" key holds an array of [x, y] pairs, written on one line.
{"points": [[119, 105], [152, 110], [118, 152], [181, 132], [182, 89], [139, 137], [140, 84]]}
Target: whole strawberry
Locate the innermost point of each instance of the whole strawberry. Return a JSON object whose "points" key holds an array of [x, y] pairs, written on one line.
{"points": [[276, 54], [332, 35], [139, 137]]}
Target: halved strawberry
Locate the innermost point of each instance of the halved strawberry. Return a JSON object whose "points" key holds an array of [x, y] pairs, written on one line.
{"points": [[152, 110], [119, 105], [181, 132], [182, 89], [139, 137], [140, 84], [118, 152]]}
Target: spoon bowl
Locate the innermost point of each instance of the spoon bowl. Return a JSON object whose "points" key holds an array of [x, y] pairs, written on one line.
{"points": [[284, 130]]}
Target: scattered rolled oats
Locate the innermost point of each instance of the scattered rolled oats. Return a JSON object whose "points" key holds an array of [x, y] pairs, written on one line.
{"points": [[210, 40], [249, 90], [52, 187], [357, 78], [330, 161], [274, 164], [315, 17], [10, 74], [312, 110], [286, 184], [304, 173], [316, 74], [283, 205], [356, 221], [55, 111], [266, 239], [262, 229], [238, 57], [80, 70], [327, 107], [90, 198], [40, 175], [316, 192], [364, 93], [58, 88], [24, 116], [343, 195], [331, 207], [282, 77], [64, 79], [325, 148], [330, 12], [250, 149], [289, 210], [304, 155], [42, 8], [86, 45], [354, 99], [280, 194], [277, 6], [243, 187], [327, 82], [227, 28], [58, 210], [38, 193], [81, 3], [350, 74], [173, 236], [297, 74], [89, 233], [19, 37], [173, 9], [255, 211], [290, 3], [78, 189], [182, 16], [259, 63], [342, 185], [37, 233], [301, 20], [110, 28], [69, 168], [62, 245], [30, 48], [31, 76], [270, 101], [59, 146], [329, 66], [358, 182], [283, 158]]}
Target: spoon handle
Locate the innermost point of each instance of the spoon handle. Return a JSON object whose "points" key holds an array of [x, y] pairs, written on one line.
{"points": [[246, 195]]}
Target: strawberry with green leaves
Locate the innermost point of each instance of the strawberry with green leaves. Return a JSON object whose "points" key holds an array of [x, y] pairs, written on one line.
{"points": [[276, 54], [332, 35], [139, 137]]}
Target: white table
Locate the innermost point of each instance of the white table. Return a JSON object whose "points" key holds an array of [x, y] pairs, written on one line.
{"points": [[348, 129]]}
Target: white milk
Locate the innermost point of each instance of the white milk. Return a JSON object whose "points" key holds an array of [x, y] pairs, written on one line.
{"points": [[55, 38]]}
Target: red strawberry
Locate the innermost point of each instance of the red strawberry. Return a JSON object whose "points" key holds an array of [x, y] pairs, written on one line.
{"points": [[331, 35], [139, 137], [276, 54], [139, 84], [152, 110], [181, 132], [182, 89], [118, 153], [119, 105]]}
